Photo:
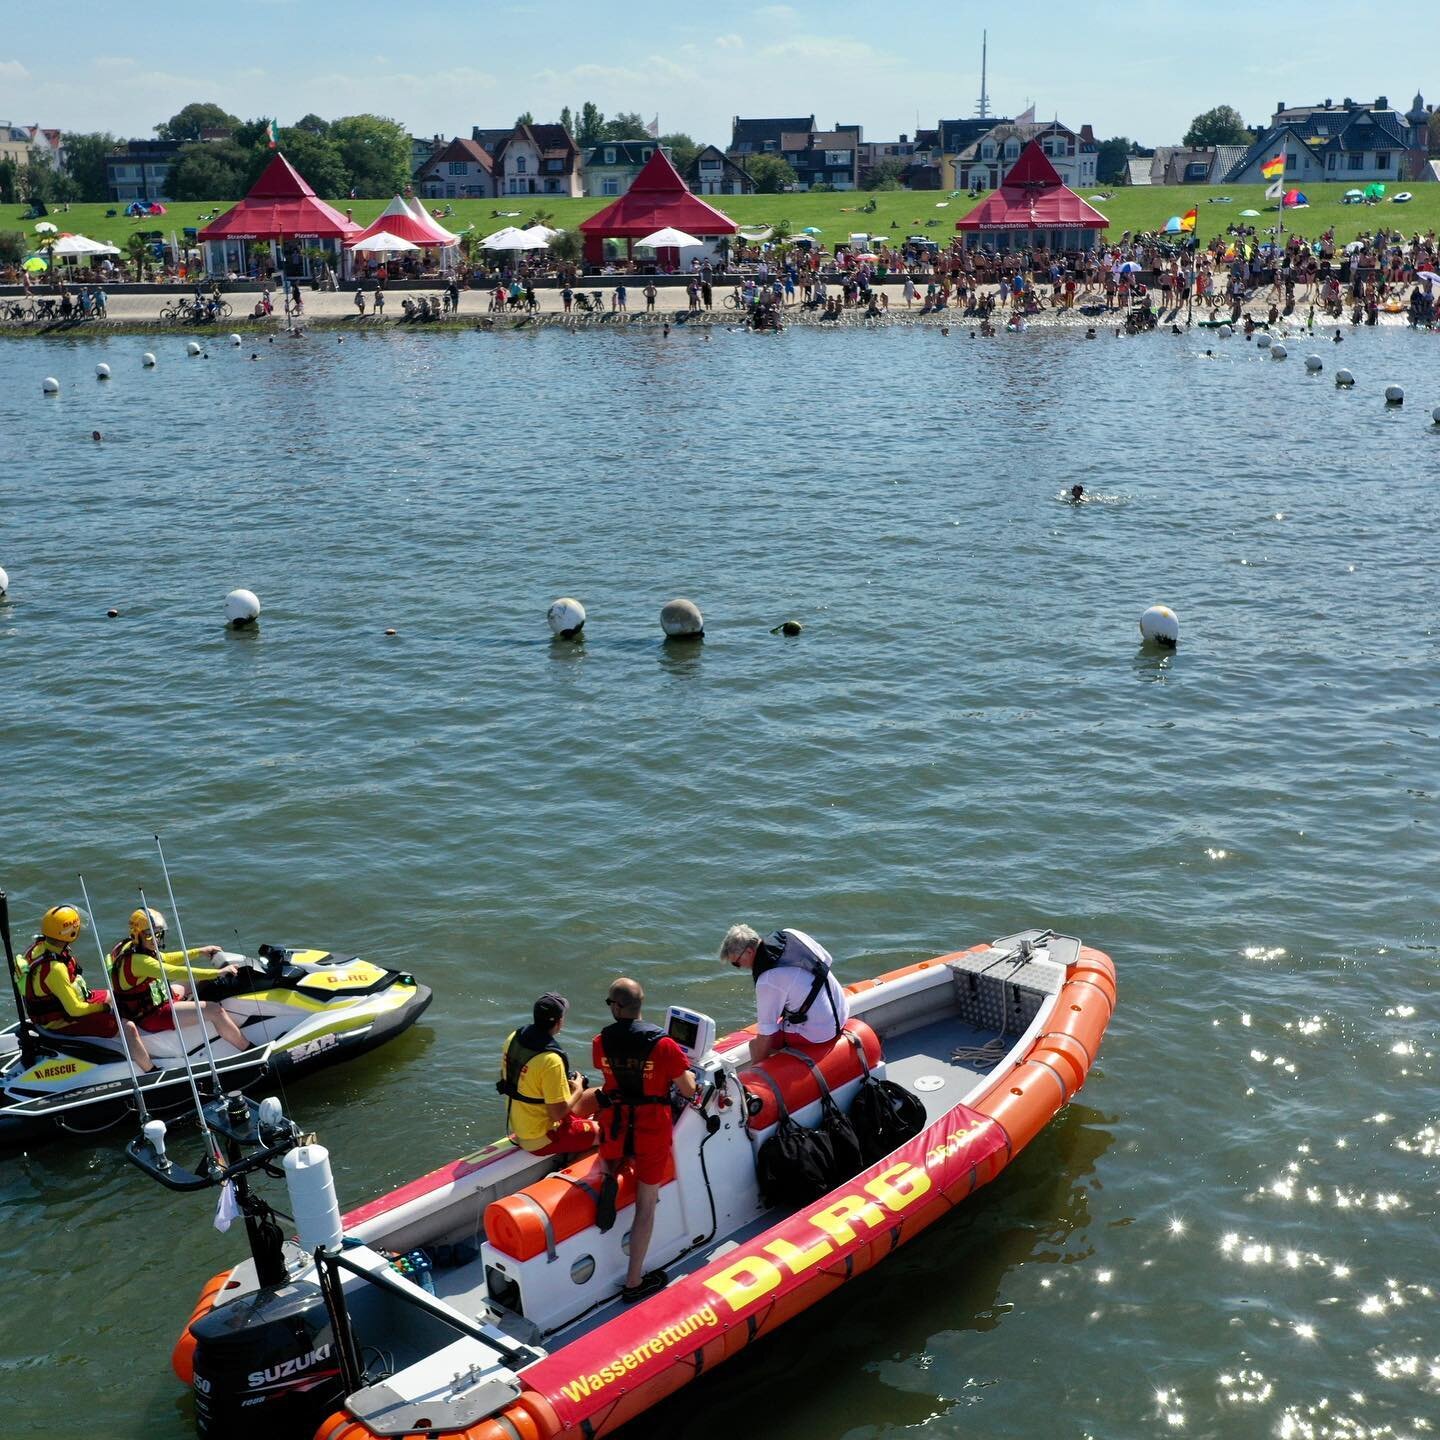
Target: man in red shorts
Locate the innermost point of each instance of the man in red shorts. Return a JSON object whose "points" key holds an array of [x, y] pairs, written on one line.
{"points": [[546, 1099], [57, 997], [638, 1063]]}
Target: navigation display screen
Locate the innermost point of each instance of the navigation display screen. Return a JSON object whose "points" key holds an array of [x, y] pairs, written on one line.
{"points": [[683, 1032]]}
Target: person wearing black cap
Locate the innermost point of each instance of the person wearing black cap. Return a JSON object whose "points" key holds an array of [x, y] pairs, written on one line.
{"points": [[545, 1097]]}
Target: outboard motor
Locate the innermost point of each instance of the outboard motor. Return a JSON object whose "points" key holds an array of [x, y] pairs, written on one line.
{"points": [[266, 1365]]}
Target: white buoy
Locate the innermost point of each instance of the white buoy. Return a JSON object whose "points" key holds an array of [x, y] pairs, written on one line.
{"points": [[681, 619], [1394, 395], [192, 347], [1314, 363], [234, 339], [50, 385], [4, 580], [1226, 331], [102, 372], [148, 360], [313, 1206], [242, 607], [1343, 380], [1262, 340], [1161, 626], [566, 617], [1278, 351]]}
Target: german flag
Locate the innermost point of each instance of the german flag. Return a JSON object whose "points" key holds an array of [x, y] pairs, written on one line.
{"points": [[1273, 168], [1188, 219]]}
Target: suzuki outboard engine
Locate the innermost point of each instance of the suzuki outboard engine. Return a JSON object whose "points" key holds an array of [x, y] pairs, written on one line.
{"points": [[265, 1365]]}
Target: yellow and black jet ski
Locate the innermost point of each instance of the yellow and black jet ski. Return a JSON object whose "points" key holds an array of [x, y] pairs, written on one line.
{"points": [[300, 1009]]}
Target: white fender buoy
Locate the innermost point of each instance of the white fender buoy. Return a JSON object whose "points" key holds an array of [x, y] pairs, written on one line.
{"points": [[1262, 340], [1344, 380], [1394, 395], [1225, 332], [234, 339], [566, 617], [148, 360], [4, 580], [1314, 363], [1278, 351], [50, 385], [242, 607], [192, 347], [102, 372], [681, 619], [1161, 626], [311, 1184]]}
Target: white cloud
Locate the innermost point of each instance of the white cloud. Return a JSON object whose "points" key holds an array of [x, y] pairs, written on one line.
{"points": [[777, 14], [13, 71], [725, 42]]}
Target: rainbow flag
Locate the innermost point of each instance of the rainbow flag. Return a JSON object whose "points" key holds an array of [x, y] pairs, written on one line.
{"points": [[1188, 219], [1271, 168]]}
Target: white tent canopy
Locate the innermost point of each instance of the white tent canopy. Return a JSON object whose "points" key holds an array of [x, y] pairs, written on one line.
{"points": [[442, 235], [512, 239], [669, 239], [80, 245], [383, 243]]}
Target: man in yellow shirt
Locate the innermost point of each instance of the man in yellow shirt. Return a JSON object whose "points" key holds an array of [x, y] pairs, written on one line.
{"points": [[547, 1100]]}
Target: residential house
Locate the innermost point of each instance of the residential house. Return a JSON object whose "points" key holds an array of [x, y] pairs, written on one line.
{"points": [[422, 151], [762, 137], [459, 169], [611, 165], [140, 169], [829, 157], [15, 145], [537, 160], [713, 172], [1182, 165], [47, 146], [988, 148], [873, 152], [488, 140], [1349, 142]]}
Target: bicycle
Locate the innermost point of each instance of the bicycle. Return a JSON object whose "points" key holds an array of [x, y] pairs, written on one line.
{"points": [[19, 312]]}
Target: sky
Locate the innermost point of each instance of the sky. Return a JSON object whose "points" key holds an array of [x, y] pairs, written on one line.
{"points": [[441, 66]]}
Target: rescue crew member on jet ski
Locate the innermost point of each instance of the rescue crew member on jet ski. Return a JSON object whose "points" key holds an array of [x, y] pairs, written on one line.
{"points": [[151, 988], [546, 1098], [57, 996], [796, 995], [639, 1063]]}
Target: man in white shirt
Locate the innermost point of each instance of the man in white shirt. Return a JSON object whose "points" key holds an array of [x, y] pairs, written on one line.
{"points": [[796, 995]]}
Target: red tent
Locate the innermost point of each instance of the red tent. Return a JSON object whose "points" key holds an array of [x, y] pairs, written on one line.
{"points": [[280, 206], [657, 198], [398, 219], [1033, 206]]}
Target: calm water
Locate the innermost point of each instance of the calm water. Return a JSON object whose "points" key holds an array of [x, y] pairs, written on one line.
{"points": [[1233, 1233]]}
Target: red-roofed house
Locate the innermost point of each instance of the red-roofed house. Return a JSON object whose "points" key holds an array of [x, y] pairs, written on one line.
{"points": [[1032, 207], [282, 209], [461, 170], [47, 145], [538, 160], [656, 200]]}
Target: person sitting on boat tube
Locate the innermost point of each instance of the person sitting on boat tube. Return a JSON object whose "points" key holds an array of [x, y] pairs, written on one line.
{"points": [[796, 995], [545, 1098], [151, 987], [639, 1063], [57, 996]]}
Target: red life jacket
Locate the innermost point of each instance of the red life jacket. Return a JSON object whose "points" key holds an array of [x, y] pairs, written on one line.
{"points": [[626, 1047], [136, 995], [42, 1007]]}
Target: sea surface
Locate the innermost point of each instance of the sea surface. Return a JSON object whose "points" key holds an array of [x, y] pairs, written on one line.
{"points": [[1231, 1233]]}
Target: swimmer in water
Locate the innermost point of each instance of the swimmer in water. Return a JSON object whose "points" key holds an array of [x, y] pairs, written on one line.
{"points": [[1077, 494], [1338, 337], [1090, 333], [96, 436]]}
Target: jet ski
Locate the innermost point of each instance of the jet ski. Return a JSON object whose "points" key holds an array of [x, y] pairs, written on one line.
{"points": [[300, 1008]]}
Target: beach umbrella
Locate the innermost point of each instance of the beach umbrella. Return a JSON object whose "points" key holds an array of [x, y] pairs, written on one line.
{"points": [[383, 243], [81, 245], [812, 230], [545, 232], [1354, 195], [1251, 213], [1374, 190], [45, 228], [668, 238], [1172, 225], [502, 239], [34, 264], [1128, 268], [1427, 275]]}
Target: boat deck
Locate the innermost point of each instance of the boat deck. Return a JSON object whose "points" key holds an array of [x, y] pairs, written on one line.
{"points": [[923, 1060]]}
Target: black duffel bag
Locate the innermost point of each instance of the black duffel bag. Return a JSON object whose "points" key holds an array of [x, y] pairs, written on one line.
{"points": [[884, 1115], [795, 1165], [849, 1154]]}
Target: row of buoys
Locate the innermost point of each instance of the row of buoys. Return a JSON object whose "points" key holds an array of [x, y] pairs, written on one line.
{"points": [[680, 618]]}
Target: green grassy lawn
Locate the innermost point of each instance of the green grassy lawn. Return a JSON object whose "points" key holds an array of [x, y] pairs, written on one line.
{"points": [[838, 215]]}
